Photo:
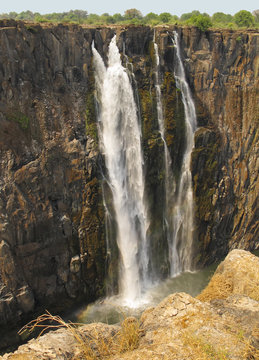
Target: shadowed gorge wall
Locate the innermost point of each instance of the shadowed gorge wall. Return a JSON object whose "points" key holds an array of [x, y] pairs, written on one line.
{"points": [[52, 231]]}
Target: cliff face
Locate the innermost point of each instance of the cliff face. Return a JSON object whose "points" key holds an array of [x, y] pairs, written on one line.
{"points": [[52, 232], [52, 243], [223, 71]]}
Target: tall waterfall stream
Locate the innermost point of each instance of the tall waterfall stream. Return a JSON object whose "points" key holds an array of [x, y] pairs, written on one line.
{"points": [[183, 216], [120, 141]]}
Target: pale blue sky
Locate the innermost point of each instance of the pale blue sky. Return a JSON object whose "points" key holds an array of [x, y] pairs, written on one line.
{"points": [[114, 6]]}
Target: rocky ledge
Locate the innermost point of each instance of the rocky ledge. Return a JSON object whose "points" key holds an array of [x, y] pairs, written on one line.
{"points": [[221, 323]]}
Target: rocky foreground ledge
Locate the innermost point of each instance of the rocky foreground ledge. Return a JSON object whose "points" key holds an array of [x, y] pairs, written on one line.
{"points": [[221, 323]]}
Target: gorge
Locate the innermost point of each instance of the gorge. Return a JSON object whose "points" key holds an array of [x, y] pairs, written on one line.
{"points": [[61, 190]]}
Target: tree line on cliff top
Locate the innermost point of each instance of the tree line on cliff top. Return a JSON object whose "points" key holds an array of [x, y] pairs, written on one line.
{"points": [[243, 18]]}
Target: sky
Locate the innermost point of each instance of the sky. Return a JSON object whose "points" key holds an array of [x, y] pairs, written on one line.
{"points": [[119, 6]]}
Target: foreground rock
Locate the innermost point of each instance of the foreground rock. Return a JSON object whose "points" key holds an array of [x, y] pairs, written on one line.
{"points": [[238, 274], [180, 327]]}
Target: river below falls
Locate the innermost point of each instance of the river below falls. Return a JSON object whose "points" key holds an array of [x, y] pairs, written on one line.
{"points": [[111, 310]]}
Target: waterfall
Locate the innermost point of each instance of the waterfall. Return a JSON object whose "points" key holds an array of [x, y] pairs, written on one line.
{"points": [[182, 241], [169, 178], [120, 142]]}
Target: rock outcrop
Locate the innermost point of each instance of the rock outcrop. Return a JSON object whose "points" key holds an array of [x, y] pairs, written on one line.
{"points": [[52, 228], [180, 327]]}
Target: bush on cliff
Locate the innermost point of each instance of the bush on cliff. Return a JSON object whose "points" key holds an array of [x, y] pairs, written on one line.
{"points": [[244, 18], [202, 22]]}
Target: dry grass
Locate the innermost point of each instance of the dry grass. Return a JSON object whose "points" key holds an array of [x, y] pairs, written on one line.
{"points": [[219, 287], [127, 338], [92, 345], [253, 288], [201, 349], [249, 352], [241, 277]]}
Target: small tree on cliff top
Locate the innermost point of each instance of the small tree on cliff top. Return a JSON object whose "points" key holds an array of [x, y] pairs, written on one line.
{"points": [[202, 22], [165, 17], [243, 18], [132, 14]]}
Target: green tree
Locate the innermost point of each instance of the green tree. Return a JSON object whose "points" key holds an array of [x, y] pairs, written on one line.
{"points": [[165, 17], [107, 19], [93, 19], [150, 17], [244, 18], [117, 17], [13, 15], [5, 16], [220, 17], [202, 22], [25, 15], [187, 16], [132, 14], [79, 15]]}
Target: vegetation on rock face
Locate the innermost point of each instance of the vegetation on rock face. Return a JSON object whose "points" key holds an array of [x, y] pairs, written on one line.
{"points": [[133, 16], [19, 118]]}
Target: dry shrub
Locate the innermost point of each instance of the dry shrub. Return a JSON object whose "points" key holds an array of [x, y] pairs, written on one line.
{"points": [[219, 287], [127, 338], [237, 274], [92, 345]]}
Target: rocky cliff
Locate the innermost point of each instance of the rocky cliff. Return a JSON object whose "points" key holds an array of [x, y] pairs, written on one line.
{"points": [[52, 229]]}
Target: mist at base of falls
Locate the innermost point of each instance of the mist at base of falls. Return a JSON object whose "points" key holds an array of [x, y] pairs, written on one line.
{"points": [[111, 310]]}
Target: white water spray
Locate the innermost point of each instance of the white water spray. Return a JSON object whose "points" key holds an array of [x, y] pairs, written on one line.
{"points": [[120, 141], [183, 213], [169, 178]]}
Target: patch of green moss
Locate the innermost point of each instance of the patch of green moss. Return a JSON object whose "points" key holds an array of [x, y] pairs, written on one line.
{"points": [[32, 29], [19, 118]]}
